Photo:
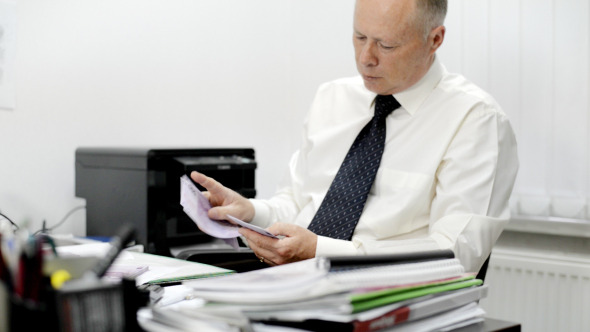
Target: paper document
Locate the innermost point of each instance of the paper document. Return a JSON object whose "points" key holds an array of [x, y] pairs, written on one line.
{"points": [[252, 227], [196, 206], [120, 271], [309, 279], [147, 268]]}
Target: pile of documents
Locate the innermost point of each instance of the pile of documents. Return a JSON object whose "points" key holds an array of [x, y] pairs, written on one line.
{"points": [[325, 294]]}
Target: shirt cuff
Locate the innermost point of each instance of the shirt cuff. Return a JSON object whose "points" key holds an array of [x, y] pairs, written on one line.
{"points": [[261, 213], [327, 246]]}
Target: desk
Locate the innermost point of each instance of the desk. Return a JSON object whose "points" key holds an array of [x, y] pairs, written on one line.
{"points": [[188, 268]]}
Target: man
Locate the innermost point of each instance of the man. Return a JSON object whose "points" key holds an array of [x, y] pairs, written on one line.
{"points": [[449, 157]]}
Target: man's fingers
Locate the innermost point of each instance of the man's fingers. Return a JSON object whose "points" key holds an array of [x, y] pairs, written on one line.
{"points": [[259, 241], [207, 182], [282, 228], [263, 246], [198, 177], [220, 212]]}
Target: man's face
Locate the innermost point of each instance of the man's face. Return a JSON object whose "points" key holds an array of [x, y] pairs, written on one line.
{"points": [[391, 52]]}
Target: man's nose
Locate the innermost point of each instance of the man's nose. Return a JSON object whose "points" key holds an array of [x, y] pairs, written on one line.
{"points": [[368, 56]]}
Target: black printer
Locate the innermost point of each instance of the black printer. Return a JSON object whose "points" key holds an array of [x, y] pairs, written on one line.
{"points": [[142, 187]]}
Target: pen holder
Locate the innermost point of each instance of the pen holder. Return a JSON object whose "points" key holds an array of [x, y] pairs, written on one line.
{"points": [[99, 306], [30, 313], [92, 305], [27, 315], [96, 306]]}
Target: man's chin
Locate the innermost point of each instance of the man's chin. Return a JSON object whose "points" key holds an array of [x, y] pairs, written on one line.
{"points": [[376, 88]]}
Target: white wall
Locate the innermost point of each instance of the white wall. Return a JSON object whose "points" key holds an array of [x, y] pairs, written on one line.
{"points": [[533, 56], [212, 73], [160, 73]]}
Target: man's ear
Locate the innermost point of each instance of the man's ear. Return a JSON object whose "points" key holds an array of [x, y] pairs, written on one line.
{"points": [[436, 37]]}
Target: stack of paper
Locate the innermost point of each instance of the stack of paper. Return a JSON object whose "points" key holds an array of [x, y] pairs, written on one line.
{"points": [[145, 268], [310, 295]]}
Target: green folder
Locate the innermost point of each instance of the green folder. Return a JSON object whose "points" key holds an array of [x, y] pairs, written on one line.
{"points": [[365, 301]]}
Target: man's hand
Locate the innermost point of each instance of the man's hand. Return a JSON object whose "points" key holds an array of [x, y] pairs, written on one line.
{"points": [[298, 244], [223, 200]]}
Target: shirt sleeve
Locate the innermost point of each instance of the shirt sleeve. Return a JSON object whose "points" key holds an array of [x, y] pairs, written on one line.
{"points": [[283, 206], [474, 183], [470, 207]]}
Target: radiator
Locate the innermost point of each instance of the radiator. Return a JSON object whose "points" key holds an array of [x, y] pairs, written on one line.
{"points": [[543, 292]]}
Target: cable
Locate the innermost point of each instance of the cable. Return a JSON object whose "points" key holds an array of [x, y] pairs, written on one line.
{"points": [[48, 229], [12, 222]]}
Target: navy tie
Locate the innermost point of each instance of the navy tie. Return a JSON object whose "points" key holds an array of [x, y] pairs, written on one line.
{"points": [[342, 207]]}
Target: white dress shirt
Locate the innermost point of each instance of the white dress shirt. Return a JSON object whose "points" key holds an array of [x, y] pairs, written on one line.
{"points": [[445, 177]]}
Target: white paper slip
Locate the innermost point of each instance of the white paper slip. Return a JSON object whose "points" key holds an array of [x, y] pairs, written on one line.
{"points": [[252, 227], [196, 206]]}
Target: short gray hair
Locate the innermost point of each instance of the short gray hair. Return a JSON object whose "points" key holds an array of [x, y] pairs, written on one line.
{"points": [[431, 14]]}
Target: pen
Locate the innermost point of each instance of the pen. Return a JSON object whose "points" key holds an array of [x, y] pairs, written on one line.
{"points": [[29, 275], [21, 273], [35, 269], [49, 240], [125, 234], [5, 274]]}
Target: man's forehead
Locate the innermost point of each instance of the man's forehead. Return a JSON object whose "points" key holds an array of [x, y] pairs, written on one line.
{"points": [[384, 6], [383, 19]]}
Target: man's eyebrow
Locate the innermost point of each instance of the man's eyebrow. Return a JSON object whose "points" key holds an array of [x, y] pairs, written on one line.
{"points": [[356, 32], [379, 40]]}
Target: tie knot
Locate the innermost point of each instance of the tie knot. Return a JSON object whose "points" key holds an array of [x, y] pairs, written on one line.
{"points": [[384, 105]]}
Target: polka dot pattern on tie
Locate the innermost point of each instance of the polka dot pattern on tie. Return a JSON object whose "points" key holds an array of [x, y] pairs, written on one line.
{"points": [[344, 202]]}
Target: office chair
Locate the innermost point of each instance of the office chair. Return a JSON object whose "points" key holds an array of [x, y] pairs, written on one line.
{"points": [[242, 260], [483, 270]]}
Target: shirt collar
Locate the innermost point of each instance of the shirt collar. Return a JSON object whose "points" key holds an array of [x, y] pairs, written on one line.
{"points": [[414, 96]]}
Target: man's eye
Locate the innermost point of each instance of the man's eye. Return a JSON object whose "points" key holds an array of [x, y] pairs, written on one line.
{"points": [[360, 37], [385, 47]]}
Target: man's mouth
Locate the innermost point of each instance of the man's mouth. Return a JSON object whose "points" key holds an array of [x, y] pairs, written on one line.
{"points": [[370, 78]]}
